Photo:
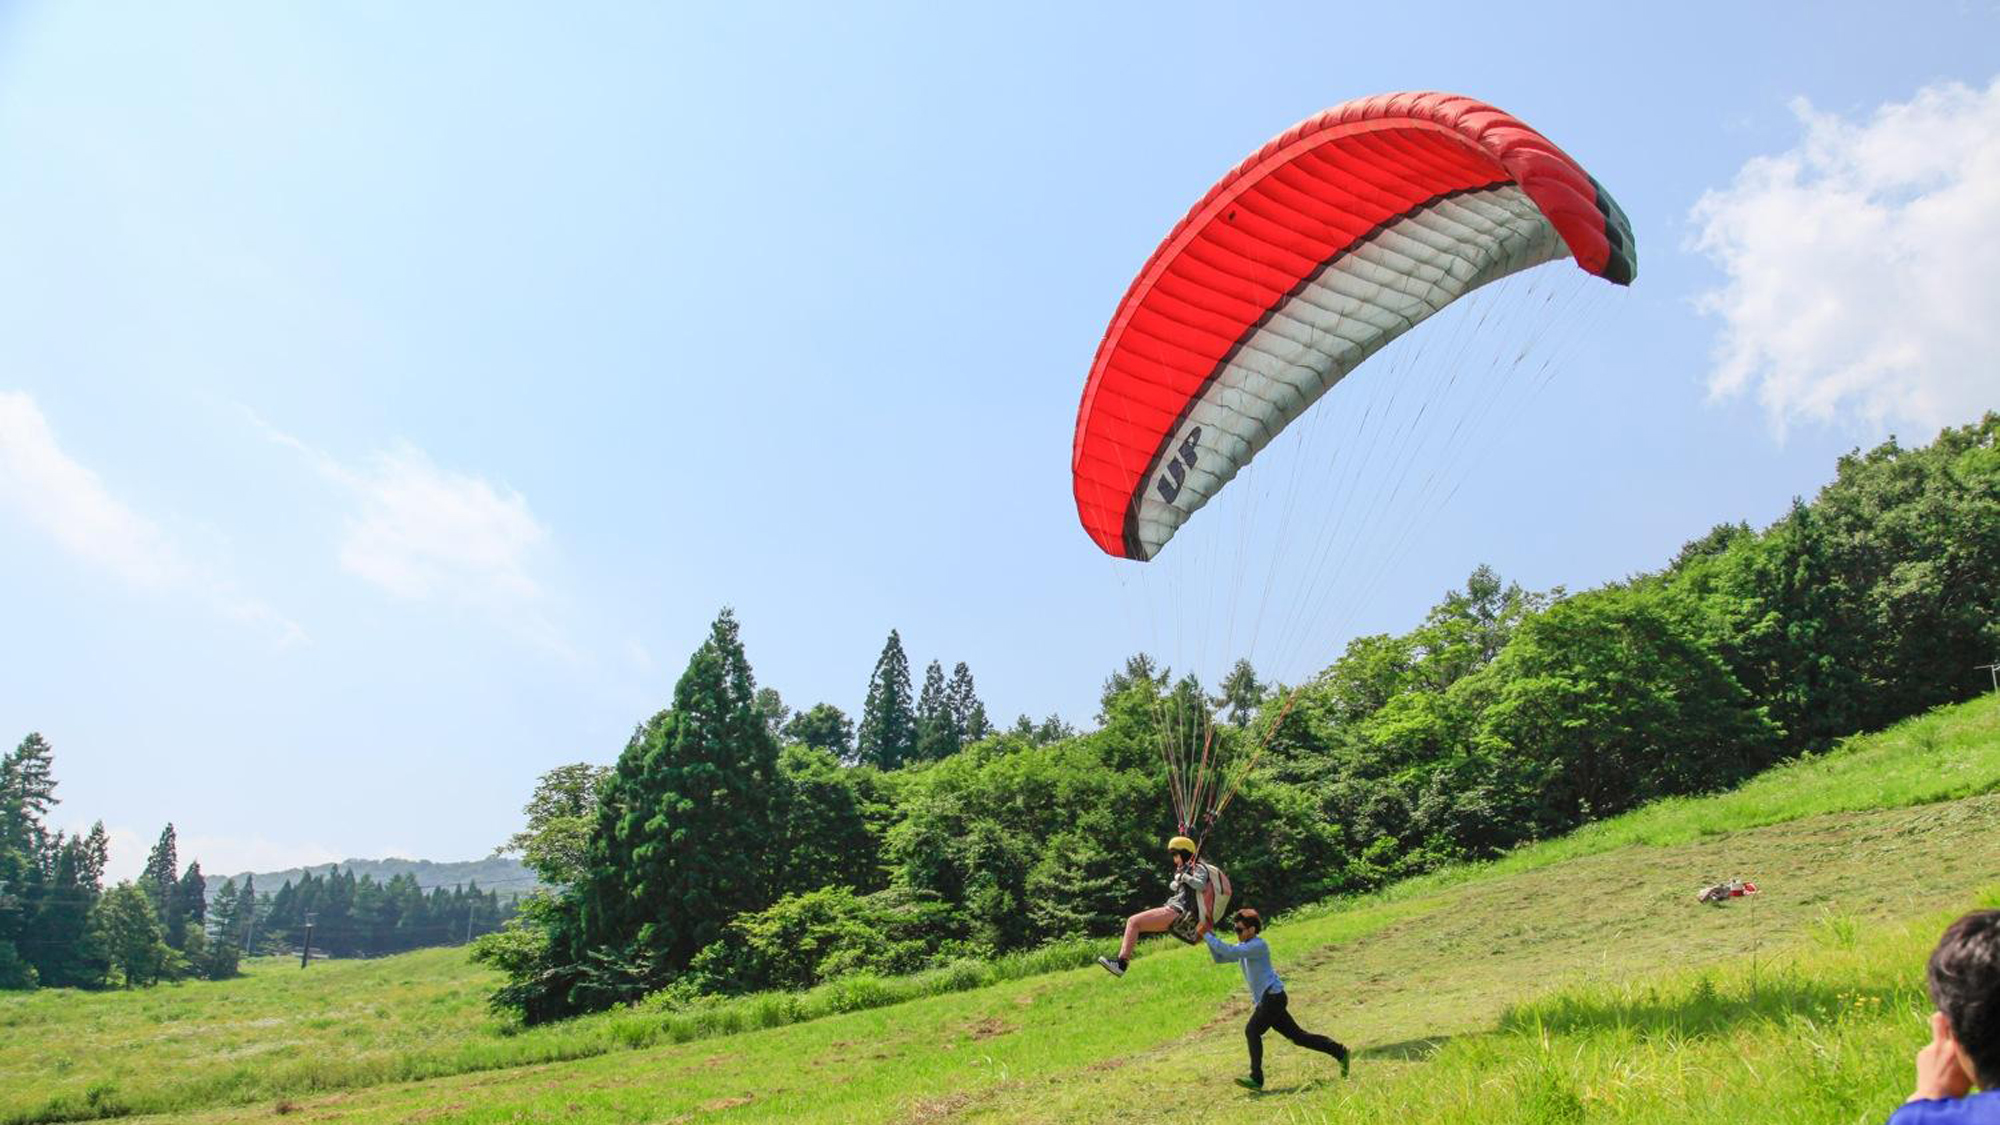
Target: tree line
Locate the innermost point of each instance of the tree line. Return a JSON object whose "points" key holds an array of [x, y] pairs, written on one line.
{"points": [[735, 847], [350, 917], [898, 728], [61, 927]]}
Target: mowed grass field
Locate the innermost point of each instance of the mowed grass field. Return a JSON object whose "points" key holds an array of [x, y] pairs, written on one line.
{"points": [[1576, 980]]}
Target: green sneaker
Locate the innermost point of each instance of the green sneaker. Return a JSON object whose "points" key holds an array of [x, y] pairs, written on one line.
{"points": [[1250, 1083]]}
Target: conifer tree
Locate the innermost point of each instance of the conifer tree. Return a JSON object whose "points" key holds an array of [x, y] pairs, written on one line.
{"points": [[248, 911], [193, 896], [968, 714], [160, 879], [937, 731], [27, 789], [163, 888], [685, 833], [887, 736], [224, 914], [95, 854]]}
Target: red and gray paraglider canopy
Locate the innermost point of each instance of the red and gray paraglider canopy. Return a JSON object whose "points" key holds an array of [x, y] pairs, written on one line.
{"points": [[1335, 238]]}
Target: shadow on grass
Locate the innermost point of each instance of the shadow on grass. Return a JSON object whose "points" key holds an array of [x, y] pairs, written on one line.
{"points": [[1290, 1089], [1409, 1050], [1703, 1009]]}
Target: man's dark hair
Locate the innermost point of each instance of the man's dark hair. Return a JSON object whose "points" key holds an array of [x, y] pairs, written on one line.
{"points": [[1248, 915], [1964, 976]]}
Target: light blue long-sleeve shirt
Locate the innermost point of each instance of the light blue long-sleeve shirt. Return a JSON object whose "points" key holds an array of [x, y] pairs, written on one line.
{"points": [[1255, 958]]}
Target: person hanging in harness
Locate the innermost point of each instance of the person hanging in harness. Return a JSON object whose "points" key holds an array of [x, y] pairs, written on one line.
{"points": [[1267, 995], [1198, 894]]}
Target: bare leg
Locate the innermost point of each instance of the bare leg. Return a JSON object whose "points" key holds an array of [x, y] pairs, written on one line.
{"points": [[1154, 921]]}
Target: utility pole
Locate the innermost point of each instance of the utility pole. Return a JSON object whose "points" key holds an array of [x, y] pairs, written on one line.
{"points": [[305, 953]]}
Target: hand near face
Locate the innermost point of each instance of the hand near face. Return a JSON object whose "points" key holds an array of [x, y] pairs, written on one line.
{"points": [[1940, 1071]]}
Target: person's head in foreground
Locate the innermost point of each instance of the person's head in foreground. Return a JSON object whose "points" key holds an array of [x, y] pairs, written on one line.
{"points": [[1964, 1050], [1248, 924], [1181, 849]]}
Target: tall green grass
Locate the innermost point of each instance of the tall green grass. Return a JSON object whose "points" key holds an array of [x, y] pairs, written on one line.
{"points": [[1823, 1033]]}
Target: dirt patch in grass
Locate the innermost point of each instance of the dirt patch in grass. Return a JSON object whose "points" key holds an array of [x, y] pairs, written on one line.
{"points": [[925, 1110], [990, 1027]]}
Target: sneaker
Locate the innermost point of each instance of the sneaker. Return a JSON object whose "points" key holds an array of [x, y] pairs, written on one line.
{"points": [[1251, 1083], [1344, 1055], [1111, 966]]}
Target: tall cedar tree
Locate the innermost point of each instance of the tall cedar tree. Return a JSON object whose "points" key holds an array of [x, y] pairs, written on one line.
{"points": [[888, 733], [686, 825], [26, 791], [968, 714], [193, 896], [224, 914], [163, 889], [159, 880], [249, 911], [937, 732]]}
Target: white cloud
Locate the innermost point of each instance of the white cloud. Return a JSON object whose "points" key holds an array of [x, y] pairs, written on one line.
{"points": [[66, 501], [1864, 267], [420, 531]]}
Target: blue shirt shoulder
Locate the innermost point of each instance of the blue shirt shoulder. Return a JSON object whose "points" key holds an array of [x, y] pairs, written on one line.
{"points": [[1978, 1109]]}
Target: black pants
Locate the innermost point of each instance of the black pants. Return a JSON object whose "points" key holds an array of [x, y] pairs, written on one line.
{"points": [[1271, 1014]]}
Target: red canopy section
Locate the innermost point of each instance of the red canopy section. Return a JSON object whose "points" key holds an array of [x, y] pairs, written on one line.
{"points": [[1332, 239]]}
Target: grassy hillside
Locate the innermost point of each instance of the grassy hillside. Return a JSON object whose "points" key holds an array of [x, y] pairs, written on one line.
{"points": [[1576, 980]]}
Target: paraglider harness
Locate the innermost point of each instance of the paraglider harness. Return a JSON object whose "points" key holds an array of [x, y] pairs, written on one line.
{"points": [[1718, 893], [1200, 894]]}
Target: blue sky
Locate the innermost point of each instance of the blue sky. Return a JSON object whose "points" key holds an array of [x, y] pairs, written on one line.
{"points": [[391, 394]]}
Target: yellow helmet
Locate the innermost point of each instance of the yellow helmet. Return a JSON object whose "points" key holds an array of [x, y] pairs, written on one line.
{"points": [[1181, 844]]}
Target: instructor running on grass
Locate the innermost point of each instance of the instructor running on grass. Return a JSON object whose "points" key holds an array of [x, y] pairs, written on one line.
{"points": [[1267, 993]]}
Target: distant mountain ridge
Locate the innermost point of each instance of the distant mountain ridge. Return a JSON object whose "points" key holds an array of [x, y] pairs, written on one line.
{"points": [[493, 873]]}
